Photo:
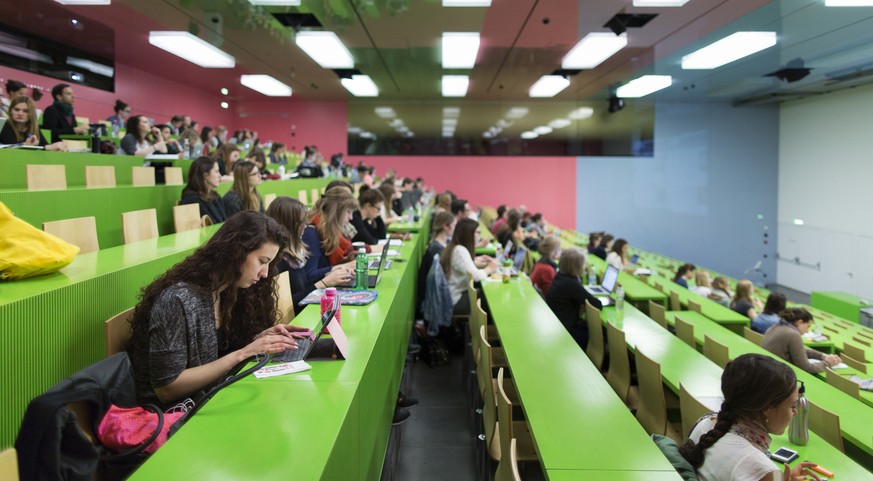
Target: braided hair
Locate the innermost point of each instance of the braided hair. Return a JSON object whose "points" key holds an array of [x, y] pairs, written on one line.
{"points": [[751, 384]]}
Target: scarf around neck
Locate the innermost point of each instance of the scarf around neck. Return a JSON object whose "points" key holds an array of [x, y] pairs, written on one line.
{"points": [[66, 109]]}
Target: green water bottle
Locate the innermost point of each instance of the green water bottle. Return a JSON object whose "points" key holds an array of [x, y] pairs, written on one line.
{"points": [[362, 273]]}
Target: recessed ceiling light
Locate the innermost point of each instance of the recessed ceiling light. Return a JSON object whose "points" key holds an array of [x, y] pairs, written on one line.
{"points": [[360, 86], [543, 130], [529, 135], [396, 123], [266, 85], [84, 2], [192, 49], [451, 112], [659, 3], [581, 113], [643, 86], [466, 3], [455, 85], [450, 123], [366, 135], [517, 112], [459, 49], [224, 91], [733, 47], [548, 86], [224, 105], [277, 3], [91, 66], [385, 112], [798, 221], [325, 48], [353, 130], [593, 49], [559, 123]]}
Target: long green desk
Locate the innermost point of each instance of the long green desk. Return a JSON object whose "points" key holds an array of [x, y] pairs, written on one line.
{"points": [[711, 309], [635, 290], [578, 423], [855, 416], [332, 422], [680, 363], [14, 164], [841, 304]]}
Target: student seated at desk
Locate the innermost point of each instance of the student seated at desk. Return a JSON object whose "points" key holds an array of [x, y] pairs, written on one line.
{"points": [[567, 296], [618, 257], [457, 261], [227, 155], [59, 116], [244, 193], [367, 221], [721, 291], [511, 230], [683, 273], [733, 445], [291, 214], [545, 269], [770, 316], [442, 230], [786, 341], [594, 242], [203, 178], [209, 312], [142, 139], [443, 203], [23, 128], [173, 146], [328, 248], [122, 112], [702, 284], [604, 246], [744, 301], [498, 222]]}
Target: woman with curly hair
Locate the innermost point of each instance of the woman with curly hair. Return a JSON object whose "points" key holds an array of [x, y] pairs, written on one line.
{"points": [[209, 312], [759, 396]]}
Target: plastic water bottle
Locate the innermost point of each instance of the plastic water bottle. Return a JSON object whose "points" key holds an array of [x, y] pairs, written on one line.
{"points": [[498, 253], [417, 211], [186, 152], [410, 214], [619, 299], [798, 430], [281, 171], [327, 301], [362, 273], [115, 130], [592, 276], [507, 270]]}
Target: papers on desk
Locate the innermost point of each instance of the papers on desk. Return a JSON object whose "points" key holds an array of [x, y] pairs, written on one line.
{"points": [[865, 384], [642, 271], [812, 337], [273, 370], [841, 365], [162, 157], [395, 243]]}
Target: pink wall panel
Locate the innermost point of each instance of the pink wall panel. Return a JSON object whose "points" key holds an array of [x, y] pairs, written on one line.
{"points": [[297, 123], [544, 184]]}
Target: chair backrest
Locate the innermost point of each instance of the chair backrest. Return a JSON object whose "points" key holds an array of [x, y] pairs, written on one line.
{"points": [[715, 351], [76, 145], [691, 410], [652, 411], [268, 199], [618, 375], [473, 330], [142, 176], [659, 286], [314, 195], [658, 313], [854, 364], [186, 217], [865, 334], [283, 292], [507, 468], [117, 329], [139, 225], [843, 384], [301, 196], [854, 352], [504, 416], [489, 401], [685, 331], [173, 176], [595, 349], [46, 177], [826, 424], [675, 305], [9, 464], [693, 306], [81, 231], [98, 176], [753, 336], [472, 295], [860, 340]]}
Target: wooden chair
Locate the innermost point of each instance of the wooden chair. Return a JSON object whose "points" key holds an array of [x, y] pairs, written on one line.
{"points": [[77, 145], [658, 313], [507, 469], [865, 335], [489, 400], [715, 351], [173, 176], [46, 177], [675, 304], [659, 286], [826, 424], [750, 335], [301, 196], [843, 384], [187, 217], [268, 199], [487, 361], [618, 375], [139, 225], [81, 231], [854, 352], [691, 410], [507, 429], [854, 364], [685, 331], [860, 340], [652, 410], [314, 195], [9, 465], [117, 329], [283, 292], [693, 306], [143, 176], [595, 349], [99, 176]]}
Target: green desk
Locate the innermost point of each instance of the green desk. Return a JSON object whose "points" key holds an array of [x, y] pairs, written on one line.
{"points": [[680, 363], [403, 226], [14, 162], [87, 138], [839, 304], [614, 475], [635, 290], [331, 422], [577, 421], [711, 309]]}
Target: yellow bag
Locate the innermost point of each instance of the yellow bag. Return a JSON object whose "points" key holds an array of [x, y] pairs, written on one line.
{"points": [[26, 251]]}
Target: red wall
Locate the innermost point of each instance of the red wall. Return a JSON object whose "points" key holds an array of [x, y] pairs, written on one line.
{"points": [[544, 184], [297, 123]]}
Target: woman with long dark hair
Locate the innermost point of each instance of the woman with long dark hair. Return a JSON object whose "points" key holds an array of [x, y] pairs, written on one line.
{"points": [[785, 339], [209, 312], [203, 178], [141, 138], [457, 262]]}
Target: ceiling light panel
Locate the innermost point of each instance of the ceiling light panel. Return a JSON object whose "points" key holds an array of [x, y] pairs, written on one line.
{"points": [[517, 112], [325, 48], [548, 86], [385, 112], [529, 135], [643, 86], [848, 3], [276, 3], [455, 85], [360, 86], [659, 3], [559, 123], [266, 85], [581, 113], [593, 49], [731, 48], [84, 2], [192, 49], [466, 3], [459, 49], [451, 112]]}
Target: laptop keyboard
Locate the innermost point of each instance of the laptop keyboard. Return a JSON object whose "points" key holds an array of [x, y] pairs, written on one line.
{"points": [[291, 355], [374, 264]]}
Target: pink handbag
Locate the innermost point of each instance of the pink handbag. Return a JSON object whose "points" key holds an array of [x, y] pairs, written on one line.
{"points": [[123, 429]]}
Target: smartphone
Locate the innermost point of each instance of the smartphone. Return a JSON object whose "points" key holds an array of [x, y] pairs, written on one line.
{"points": [[784, 455]]}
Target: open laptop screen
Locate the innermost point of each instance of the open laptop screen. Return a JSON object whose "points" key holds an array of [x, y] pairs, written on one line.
{"points": [[609, 278]]}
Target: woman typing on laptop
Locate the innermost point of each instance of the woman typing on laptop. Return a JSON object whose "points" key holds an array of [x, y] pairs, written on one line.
{"points": [[567, 295], [328, 248]]}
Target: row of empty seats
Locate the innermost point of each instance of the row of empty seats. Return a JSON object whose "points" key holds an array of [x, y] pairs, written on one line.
{"points": [[54, 177]]}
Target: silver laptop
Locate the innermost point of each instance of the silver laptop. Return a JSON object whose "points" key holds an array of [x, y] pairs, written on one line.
{"points": [[306, 345], [608, 284], [376, 261]]}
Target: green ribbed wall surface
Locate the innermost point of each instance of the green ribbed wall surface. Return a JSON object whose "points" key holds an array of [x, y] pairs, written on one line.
{"points": [[14, 164]]}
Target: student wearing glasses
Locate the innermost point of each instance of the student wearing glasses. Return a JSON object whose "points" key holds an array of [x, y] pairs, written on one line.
{"points": [[244, 193]]}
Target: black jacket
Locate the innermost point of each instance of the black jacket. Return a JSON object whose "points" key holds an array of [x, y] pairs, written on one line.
{"points": [[215, 209], [566, 297], [54, 120]]}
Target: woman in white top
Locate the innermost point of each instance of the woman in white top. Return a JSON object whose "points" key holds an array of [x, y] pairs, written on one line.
{"points": [[702, 286], [618, 256], [759, 397], [457, 261]]}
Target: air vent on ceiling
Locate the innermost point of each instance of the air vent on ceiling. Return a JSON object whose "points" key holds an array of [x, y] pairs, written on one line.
{"points": [[623, 21], [297, 20]]}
